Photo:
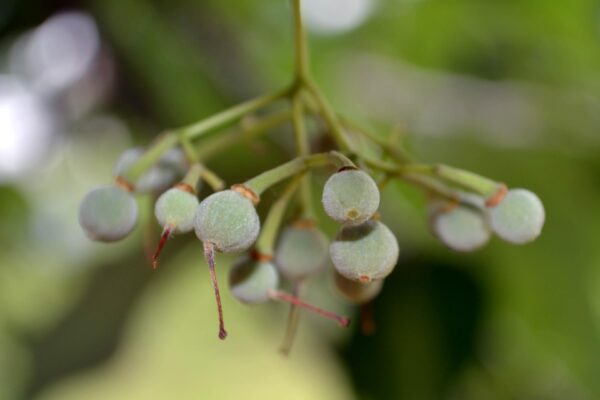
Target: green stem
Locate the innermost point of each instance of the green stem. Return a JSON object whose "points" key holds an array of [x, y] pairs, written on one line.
{"points": [[455, 176], [266, 242], [300, 43], [298, 165], [292, 322], [192, 132], [329, 116], [397, 153], [303, 149], [160, 146], [193, 175], [214, 145], [188, 149], [232, 114], [214, 181]]}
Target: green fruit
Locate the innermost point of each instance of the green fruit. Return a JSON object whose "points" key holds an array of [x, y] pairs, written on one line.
{"points": [[356, 292], [519, 217], [350, 197], [302, 251], [228, 220], [176, 208], [461, 229], [365, 252], [108, 213], [169, 168], [251, 281]]}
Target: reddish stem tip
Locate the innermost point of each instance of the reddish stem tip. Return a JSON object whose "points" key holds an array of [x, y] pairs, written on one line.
{"points": [[209, 253], [282, 296], [163, 240]]}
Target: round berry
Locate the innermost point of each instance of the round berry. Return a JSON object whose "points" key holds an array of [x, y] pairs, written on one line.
{"points": [[228, 220], [169, 168], [461, 228], [252, 281], [350, 197], [176, 208], [108, 213], [519, 217], [365, 252], [302, 251], [356, 292]]}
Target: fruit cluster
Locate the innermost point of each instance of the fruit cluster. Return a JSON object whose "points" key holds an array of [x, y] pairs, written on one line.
{"points": [[465, 208]]}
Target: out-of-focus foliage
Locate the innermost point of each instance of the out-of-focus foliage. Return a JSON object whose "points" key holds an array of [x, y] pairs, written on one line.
{"points": [[509, 89]]}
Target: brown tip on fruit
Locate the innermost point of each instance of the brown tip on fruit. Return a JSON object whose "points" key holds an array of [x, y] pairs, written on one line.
{"points": [[451, 205], [376, 216], [352, 213], [258, 256], [497, 197], [185, 187], [364, 278], [246, 192], [304, 223], [347, 168], [124, 184]]}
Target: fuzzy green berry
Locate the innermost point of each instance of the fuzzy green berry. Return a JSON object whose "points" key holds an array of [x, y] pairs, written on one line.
{"points": [[227, 220], [350, 197], [170, 167], [108, 213], [519, 217], [252, 281], [302, 251], [365, 252], [176, 208], [356, 292], [461, 228]]}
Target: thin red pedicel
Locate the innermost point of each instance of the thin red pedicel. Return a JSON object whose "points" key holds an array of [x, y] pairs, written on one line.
{"points": [[209, 253], [163, 239], [281, 296]]}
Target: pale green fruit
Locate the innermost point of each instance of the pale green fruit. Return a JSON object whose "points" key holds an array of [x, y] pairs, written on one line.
{"points": [[350, 197], [356, 292], [461, 229], [176, 208], [169, 169], [302, 251], [365, 252], [228, 220], [108, 213], [519, 217], [251, 281]]}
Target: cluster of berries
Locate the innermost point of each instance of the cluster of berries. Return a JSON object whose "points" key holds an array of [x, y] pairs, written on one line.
{"points": [[465, 208], [363, 252]]}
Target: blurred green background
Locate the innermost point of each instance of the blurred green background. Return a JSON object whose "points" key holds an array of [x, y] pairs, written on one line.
{"points": [[510, 89]]}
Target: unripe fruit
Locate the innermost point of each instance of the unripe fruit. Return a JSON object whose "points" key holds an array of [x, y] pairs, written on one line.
{"points": [[461, 228], [175, 211], [251, 281], [254, 281], [169, 168], [350, 197], [365, 252], [176, 208], [228, 220], [108, 213], [519, 217], [302, 251], [356, 292]]}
